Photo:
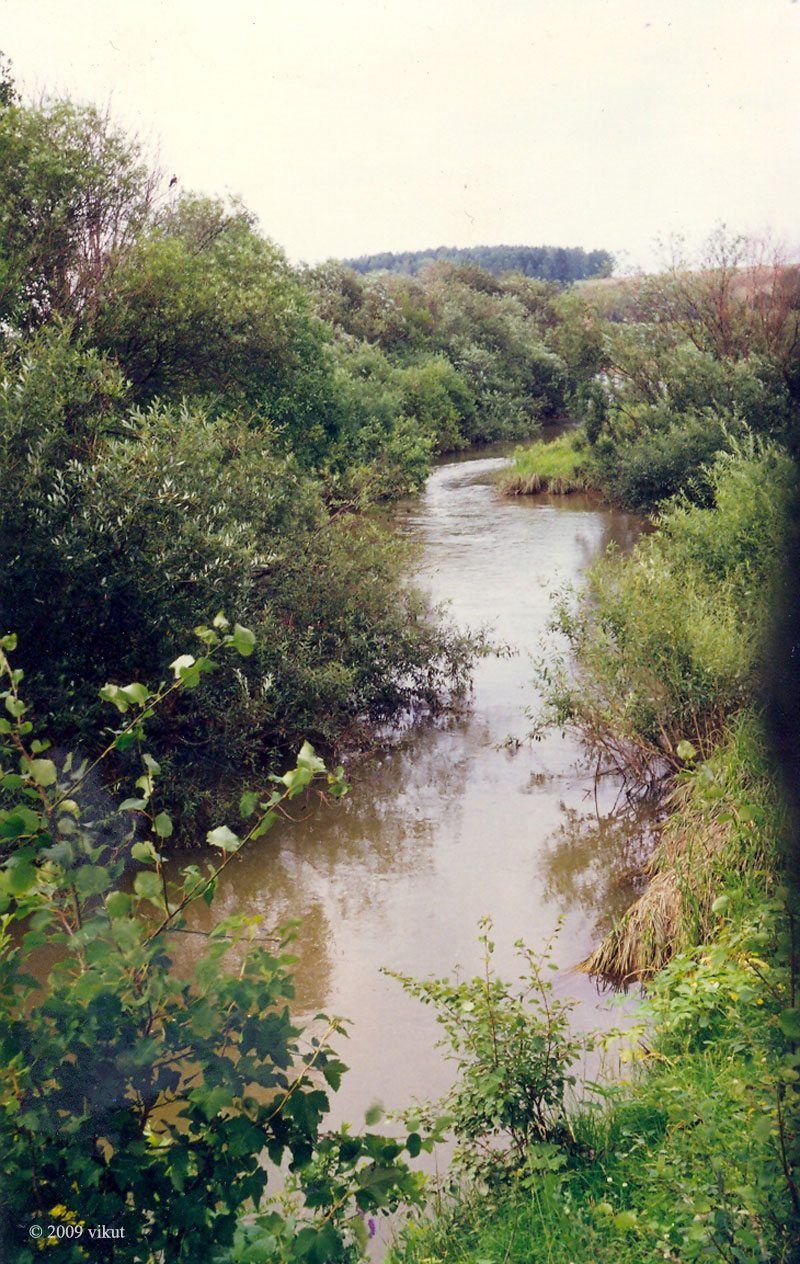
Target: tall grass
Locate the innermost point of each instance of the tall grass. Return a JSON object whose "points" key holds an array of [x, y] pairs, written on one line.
{"points": [[555, 465]]}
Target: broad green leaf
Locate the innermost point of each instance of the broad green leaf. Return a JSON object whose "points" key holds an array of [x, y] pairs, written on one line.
{"points": [[373, 1114], [248, 803], [147, 885], [163, 825], [789, 1023], [243, 640], [625, 1220], [118, 904], [223, 837], [91, 879], [264, 824], [296, 778], [144, 851], [181, 664], [19, 877], [111, 693], [309, 759], [43, 771], [135, 692]]}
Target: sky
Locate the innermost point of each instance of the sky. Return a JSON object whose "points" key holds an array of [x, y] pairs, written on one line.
{"points": [[356, 126]]}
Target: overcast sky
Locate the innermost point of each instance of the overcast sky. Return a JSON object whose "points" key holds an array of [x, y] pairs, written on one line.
{"points": [[353, 126]]}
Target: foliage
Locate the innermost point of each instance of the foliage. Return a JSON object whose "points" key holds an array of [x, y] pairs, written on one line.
{"points": [[76, 192], [514, 1052], [463, 356], [695, 1158], [133, 1098], [139, 522], [693, 357], [665, 642], [203, 306], [554, 465], [547, 263]]}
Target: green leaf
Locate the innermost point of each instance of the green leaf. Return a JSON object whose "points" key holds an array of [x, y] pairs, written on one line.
{"points": [[625, 1220], [91, 879], [223, 837], [248, 803], [308, 759], [685, 750], [118, 904], [182, 664], [144, 851], [111, 693], [373, 1114], [20, 877], [15, 706], [720, 904], [360, 1232], [147, 886], [163, 825], [266, 823], [135, 692], [243, 640], [789, 1023], [43, 771]]}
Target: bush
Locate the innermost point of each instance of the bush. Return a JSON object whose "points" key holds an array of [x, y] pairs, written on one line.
{"points": [[666, 642], [139, 523], [514, 1052], [131, 1098]]}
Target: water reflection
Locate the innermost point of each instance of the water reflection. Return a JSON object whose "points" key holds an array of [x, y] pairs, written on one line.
{"points": [[449, 825]]}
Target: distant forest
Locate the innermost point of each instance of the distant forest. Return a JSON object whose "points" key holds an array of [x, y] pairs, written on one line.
{"points": [[545, 263]]}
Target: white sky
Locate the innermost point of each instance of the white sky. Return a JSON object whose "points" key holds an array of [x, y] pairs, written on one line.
{"points": [[353, 126]]}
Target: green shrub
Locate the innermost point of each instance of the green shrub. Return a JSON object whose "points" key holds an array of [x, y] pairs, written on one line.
{"points": [[132, 1098], [138, 523], [514, 1052], [665, 643]]}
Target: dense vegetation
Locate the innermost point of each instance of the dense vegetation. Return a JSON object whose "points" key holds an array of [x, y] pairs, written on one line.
{"points": [[675, 673], [188, 425], [683, 364], [545, 263]]}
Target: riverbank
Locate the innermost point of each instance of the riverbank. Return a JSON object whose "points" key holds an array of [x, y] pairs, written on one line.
{"points": [[692, 1152]]}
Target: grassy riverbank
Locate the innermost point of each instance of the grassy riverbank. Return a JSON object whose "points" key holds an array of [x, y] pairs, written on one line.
{"points": [[692, 1151]]}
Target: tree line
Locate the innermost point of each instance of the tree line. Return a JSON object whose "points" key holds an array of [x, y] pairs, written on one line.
{"points": [[561, 264]]}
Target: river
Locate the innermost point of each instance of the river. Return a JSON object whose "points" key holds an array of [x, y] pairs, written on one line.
{"points": [[451, 824]]}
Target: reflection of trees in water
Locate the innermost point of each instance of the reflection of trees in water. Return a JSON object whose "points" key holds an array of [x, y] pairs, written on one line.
{"points": [[595, 861], [334, 863]]}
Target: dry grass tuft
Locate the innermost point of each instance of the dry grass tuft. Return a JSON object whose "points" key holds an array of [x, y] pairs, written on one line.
{"points": [[653, 929]]}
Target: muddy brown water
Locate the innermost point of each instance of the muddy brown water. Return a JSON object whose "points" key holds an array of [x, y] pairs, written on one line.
{"points": [[450, 825]]}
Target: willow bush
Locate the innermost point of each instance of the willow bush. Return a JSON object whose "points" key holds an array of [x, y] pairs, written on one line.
{"points": [[664, 644]]}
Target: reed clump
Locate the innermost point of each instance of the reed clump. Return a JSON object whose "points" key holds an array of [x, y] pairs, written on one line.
{"points": [[721, 813], [556, 466]]}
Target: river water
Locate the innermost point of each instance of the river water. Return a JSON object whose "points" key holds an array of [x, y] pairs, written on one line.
{"points": [[453, 822]]}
